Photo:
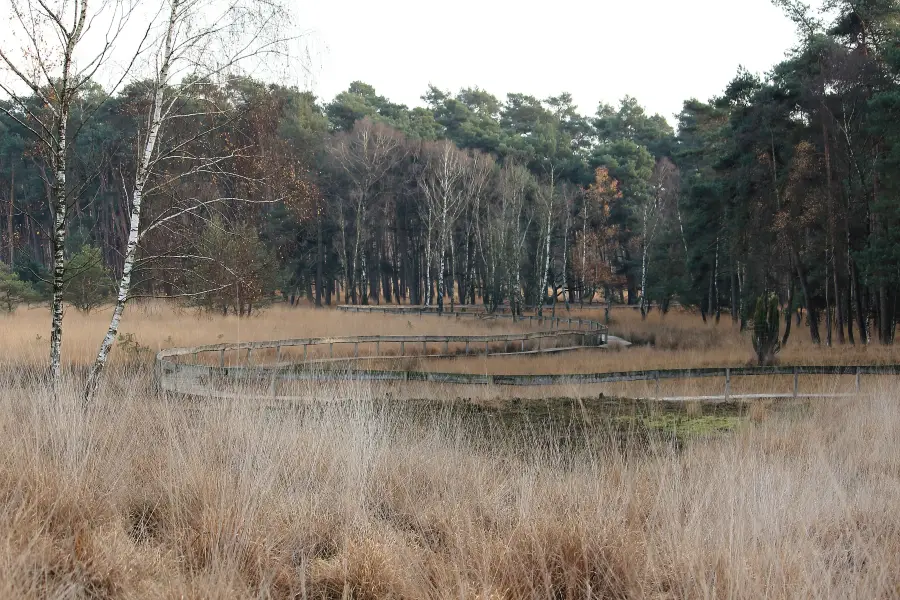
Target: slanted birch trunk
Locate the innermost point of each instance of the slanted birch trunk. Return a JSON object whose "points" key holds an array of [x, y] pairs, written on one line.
{"points": [[140, 182], [190, 31]]}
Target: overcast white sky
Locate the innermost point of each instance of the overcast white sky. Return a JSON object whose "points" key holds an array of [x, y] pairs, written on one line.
{"points": [[660, 51]]}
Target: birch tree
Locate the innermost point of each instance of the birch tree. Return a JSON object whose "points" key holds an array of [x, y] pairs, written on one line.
{"points": [[196, 42], [365, 156], [508, 230], [53, 50], [546, 197], [476, 182], [663, 191], [441, 185]]}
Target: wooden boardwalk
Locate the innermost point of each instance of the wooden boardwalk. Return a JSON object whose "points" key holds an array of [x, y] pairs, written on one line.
{"points": [[192, 370]]}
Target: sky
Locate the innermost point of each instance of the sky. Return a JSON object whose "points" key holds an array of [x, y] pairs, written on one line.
{"points": [[660, 51]]}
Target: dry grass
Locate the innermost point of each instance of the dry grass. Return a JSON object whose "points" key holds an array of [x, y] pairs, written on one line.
{"points": [[346, 498], [343, 496], [677, 340], [156, 325]]}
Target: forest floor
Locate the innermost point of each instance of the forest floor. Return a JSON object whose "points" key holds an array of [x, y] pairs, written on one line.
{"points": [[455, 492]]}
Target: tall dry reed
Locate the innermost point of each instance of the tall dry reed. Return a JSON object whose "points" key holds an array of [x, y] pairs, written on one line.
{"points": [[346, 497]]}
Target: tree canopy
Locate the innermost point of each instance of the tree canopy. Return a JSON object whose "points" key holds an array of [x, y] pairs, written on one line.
{"points": [[781, 185]]}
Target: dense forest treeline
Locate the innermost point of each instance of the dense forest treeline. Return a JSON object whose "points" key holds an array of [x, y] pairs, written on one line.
{"points": [[784, 184]]}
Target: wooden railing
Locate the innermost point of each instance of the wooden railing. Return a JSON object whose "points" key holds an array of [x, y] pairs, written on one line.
{"points": [[183, 370], [405, 344], [178, 377]]}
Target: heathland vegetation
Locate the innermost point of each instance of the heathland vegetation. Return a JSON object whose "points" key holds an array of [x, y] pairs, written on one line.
{"points": [[353, 495], [155, 196]]}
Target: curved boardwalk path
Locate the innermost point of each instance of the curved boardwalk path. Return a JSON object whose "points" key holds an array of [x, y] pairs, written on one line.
{"points": [[194, 370]]}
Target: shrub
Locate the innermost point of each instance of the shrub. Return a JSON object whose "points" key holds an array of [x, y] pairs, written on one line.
{"points": [[88, 283], [14, 291]]}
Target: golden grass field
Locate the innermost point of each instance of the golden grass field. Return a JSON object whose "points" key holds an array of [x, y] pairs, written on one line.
{"points": [[348, 495]]}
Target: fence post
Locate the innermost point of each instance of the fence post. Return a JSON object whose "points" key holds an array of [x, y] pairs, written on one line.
{"points": [[222, 358], [467, 346], [278, 353], [486, 349], [355, 349], [796, 381], [858, 372], [249, 353], [378, 348], [402, 348], [331, 349], [727, 383], [446, 346], [656, 376]]}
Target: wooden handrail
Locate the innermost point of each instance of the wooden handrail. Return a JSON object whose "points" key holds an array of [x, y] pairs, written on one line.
{"points": [[553, 378], [367, 339]]}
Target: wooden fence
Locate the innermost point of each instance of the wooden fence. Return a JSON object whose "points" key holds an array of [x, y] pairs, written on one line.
{"points": [[183, 370], [193, 378]]}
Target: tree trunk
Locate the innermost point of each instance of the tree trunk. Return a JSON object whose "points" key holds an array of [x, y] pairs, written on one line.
{"points": [[440, 280], [838, 307], [715, 280], [811, 312], [59, 246], [827, 305], [861, 316], [848, 311], [545, 268], [787, 314], [734, 296], [134, 231], [885, 320], [320, 259], [10, 230], [565, 255], [643, 281]]}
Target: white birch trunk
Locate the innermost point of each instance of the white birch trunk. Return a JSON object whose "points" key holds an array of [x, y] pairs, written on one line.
{"points": [[584, 254], [428, 267], [355, 277], [345, 261], [714, 290], [565, 256], [61, 208], [545, 270], [143, 173], [440, 279], [59, 258], [644, 304]]}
